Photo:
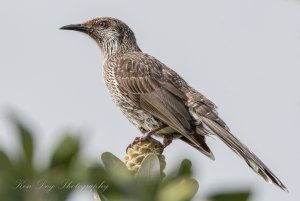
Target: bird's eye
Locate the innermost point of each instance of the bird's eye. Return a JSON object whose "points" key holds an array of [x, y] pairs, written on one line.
{"points": [[103, 24]]}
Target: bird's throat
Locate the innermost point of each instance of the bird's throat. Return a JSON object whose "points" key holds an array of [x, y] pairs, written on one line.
{"points": [[113, 47]]}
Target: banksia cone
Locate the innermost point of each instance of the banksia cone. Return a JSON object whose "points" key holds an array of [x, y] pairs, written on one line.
{"points": [[139, 150]]}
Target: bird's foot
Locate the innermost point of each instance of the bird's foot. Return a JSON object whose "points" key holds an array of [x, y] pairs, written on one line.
{"points": [[135, 141], [152, 132], [146, 136], [167, 140]]}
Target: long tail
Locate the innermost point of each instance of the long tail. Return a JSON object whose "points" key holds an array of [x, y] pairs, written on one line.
{"points": [[251, 159]]}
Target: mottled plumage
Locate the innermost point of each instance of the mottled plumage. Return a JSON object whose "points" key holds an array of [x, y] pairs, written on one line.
{"points": [[154, 97]]}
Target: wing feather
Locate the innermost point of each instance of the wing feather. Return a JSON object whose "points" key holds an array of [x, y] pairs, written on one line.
{"points": [[143, 81]]}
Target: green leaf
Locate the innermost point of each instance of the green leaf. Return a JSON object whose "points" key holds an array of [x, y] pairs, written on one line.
{"points": [[148, 178], [115, 167], [234, 196], [24, 166], [185, 168], [66, 151], [7, 171], [99, 176], [181, 189], [26, 140], [25, 136], [6, 163], [150, 168]]}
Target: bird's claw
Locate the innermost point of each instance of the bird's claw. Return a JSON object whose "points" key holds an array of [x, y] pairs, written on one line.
{"points": [[147, 136], [135, 141], [167, 140]]}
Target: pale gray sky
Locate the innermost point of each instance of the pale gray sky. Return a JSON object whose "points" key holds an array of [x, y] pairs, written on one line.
{"points": [[243, 55]]}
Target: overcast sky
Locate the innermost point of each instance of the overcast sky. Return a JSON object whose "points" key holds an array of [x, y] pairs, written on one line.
{"points": [[243, 55]]}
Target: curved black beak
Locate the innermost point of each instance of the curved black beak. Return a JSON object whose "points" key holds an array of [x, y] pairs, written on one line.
{"points": [[76, 27]]}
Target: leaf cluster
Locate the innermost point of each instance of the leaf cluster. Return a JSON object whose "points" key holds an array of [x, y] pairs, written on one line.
{"points": [[21, 179]]}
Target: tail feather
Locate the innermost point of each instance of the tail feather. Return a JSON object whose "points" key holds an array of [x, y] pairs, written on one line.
{"points": [[251, 159]]}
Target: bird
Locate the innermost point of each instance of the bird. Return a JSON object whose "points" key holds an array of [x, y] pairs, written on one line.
{"points": [[156, 99]]}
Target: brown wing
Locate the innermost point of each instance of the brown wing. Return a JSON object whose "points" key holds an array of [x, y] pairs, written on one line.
{"points": [[197, 103], [140, 78]]}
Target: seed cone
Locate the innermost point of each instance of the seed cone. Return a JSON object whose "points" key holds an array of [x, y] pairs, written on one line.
{"points": [[139, 150]]}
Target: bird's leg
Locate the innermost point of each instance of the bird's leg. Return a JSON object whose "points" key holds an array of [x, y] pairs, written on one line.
{"points": [[152, 132], [145, 136]]}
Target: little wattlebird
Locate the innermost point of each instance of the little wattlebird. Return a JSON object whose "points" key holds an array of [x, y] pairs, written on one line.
{"points": [[156, 99]]}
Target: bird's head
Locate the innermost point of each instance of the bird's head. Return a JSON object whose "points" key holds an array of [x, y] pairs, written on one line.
{"points": [[112, 35]]}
